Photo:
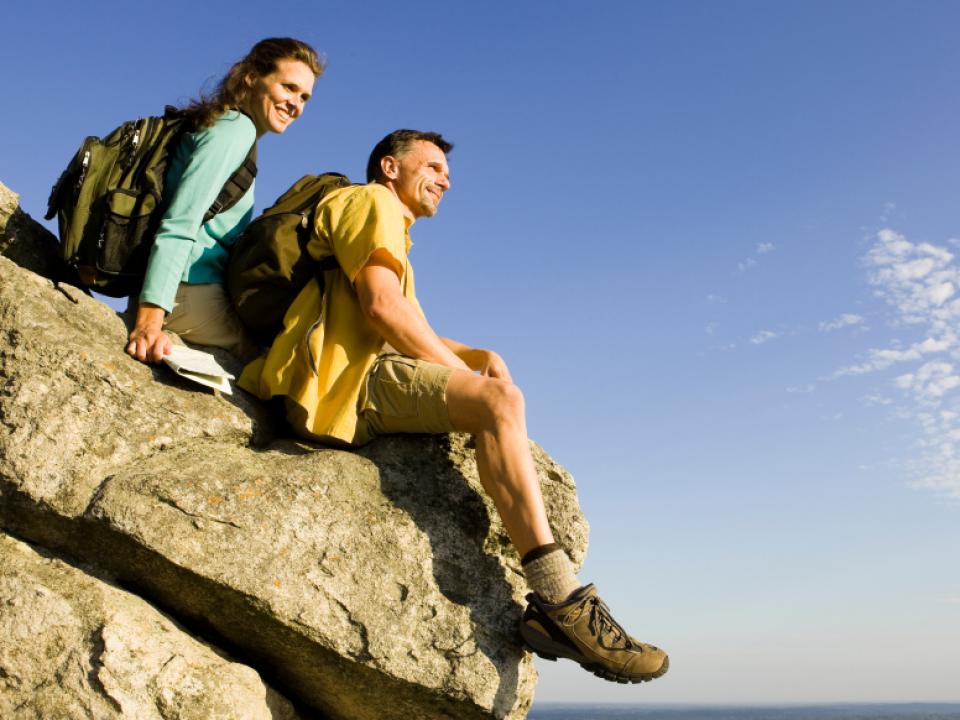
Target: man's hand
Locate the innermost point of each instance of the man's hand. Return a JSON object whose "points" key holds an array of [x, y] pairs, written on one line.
{"points": [[487, 363], [148, 342]]}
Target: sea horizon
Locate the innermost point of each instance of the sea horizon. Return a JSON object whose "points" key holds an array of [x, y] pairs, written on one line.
{"points": [[746, 711]]}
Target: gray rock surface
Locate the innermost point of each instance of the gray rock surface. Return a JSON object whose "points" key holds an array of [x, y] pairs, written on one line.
{"points": [[72, 646], [24, 240], [369, 585]]}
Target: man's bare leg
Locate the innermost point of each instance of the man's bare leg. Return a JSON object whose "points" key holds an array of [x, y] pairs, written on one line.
{"points": [[573, 623], [493, 412]]}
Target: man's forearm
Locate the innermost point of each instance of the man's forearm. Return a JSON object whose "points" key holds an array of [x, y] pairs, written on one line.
{"points": [[457, 348], [486, 362], [409, 333], [471, 356]]}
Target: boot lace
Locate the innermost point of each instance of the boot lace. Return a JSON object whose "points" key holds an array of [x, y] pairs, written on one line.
{"points": [[603, 625]]}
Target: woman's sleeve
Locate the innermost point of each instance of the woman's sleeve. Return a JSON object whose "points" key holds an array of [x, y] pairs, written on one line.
{"points": [[213, 155]]}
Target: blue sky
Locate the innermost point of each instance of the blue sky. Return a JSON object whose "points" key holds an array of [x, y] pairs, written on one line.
{"points": [[718, 245]]}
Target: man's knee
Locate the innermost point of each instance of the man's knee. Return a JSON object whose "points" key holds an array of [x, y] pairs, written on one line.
{"points": [[504, 402], [483, 404]]}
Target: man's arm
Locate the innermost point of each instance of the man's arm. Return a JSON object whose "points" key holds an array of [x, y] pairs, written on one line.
{"points": [[391, 314], [406, 330], [487, 362]]}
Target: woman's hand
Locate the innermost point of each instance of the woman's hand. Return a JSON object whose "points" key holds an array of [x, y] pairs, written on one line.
{"points": [[148, 342]]}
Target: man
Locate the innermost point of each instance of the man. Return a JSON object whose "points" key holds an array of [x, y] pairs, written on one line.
{"points": [[361, 360]]}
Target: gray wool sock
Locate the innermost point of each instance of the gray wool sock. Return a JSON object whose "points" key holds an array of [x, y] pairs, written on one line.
{"points": [[550, 574]]}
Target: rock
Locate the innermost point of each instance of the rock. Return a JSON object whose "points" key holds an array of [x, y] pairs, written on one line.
{"points": [[73, 645], [74, 407], [369, 585], [24, 240]]}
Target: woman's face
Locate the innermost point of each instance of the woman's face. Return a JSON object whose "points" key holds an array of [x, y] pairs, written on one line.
{"points": [[277, 99]]}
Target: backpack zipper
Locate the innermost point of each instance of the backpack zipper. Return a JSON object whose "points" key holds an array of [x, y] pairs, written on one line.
{"points": [[83, 171]]}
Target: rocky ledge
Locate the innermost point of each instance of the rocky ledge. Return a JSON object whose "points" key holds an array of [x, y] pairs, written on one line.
{"points": [[168, 553]]}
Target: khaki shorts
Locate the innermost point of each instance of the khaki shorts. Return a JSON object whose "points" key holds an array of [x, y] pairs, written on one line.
{"points": [[403, 395]]}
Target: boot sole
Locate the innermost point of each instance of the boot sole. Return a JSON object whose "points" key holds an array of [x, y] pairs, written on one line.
{"points": [[549, 649]]}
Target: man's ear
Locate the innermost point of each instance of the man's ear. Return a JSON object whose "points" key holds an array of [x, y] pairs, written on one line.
{"points": [[390, 167]]}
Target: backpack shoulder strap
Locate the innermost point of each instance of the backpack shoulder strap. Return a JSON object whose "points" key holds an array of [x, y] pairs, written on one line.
{"points": [[236, 186]]}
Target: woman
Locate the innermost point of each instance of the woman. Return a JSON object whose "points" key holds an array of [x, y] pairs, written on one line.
{"points": [[183, 290]]}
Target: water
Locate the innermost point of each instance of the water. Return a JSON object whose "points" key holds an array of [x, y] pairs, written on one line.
{"points": [[912, 711]]}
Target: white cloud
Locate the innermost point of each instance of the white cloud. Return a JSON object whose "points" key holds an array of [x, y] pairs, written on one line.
{"points": [[911, 270], [942, 385], [919, 281], [802, 389], [904, 381], [882, 359], [845, 320], [763, 336], [764, 248], [932, 381], [712, 328], [939, 294], [942, 477], [716, 299]]}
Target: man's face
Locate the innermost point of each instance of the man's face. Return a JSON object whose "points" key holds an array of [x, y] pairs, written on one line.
{"points": [[420, 177]]}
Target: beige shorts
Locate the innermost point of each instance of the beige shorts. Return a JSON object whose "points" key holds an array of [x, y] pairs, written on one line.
{"points": [[203, 315], [403, 395]]}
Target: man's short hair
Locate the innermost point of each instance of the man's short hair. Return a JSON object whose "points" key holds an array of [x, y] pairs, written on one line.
{"points": [[397, 143]]}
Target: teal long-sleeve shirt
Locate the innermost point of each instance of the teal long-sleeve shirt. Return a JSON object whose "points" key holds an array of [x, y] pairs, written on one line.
{"points": [[186, 250]]}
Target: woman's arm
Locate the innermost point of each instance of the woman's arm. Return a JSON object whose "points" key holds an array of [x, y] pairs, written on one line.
{"points": [[147, 341], [208, 159]]}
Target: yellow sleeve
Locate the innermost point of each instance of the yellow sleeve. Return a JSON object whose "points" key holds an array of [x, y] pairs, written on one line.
{"points": [[410, 292], [360, 221]]}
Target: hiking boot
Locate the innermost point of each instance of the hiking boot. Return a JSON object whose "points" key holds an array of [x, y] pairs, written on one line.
{"points": [[582, 629]]}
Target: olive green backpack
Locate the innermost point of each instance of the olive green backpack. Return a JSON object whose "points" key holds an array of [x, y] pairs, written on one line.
{"points": [[109, 201], [269, 263]]}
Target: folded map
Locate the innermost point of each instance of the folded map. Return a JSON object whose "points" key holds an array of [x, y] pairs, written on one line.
{"points": [[200, 367]]}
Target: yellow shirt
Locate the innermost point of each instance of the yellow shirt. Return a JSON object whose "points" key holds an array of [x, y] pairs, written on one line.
{"points": [[320, 359]]}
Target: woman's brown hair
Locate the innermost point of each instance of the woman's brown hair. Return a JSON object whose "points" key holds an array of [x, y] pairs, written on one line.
{"points": [[262, 59]]}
